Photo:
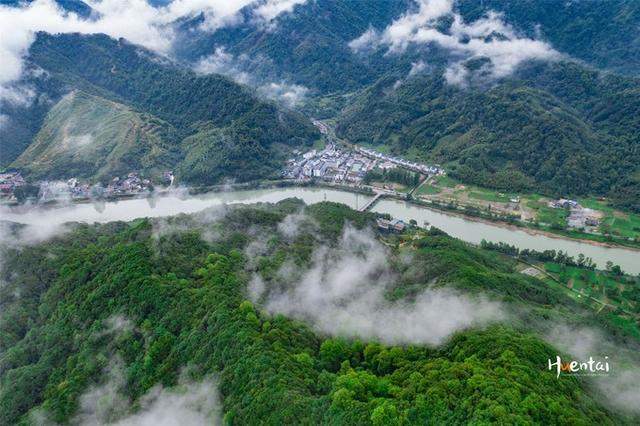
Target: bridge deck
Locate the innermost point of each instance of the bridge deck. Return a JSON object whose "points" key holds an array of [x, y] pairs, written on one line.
{"points": [[370, 203]]}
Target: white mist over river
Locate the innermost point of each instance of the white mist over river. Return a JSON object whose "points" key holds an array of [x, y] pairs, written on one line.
{"points": [[45, 220]]}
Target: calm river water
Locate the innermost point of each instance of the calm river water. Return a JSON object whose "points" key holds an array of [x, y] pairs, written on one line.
{"points": [[45, 219]]}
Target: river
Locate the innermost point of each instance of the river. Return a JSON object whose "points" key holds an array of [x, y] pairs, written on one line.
{"points": [[44, 219]]}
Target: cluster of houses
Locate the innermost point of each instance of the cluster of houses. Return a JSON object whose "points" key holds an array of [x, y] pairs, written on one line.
{"points": [[579, 217], [9, 182], [60, 189], [74, 188], [131, 184], [393, 225], [331, 165], [78, 189], [583, 218], [395, 161], [345, 166], [53, 190], [563, 203]]}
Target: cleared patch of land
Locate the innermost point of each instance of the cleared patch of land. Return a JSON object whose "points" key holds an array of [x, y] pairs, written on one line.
{"points": [[535, 210]]}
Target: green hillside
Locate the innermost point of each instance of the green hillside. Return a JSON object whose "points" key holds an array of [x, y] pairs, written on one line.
{"points": [[310, 46], [568, 129], [91, 137], [174, 98], [559, 128], [156, 85], [601, 33], [182, 302]]}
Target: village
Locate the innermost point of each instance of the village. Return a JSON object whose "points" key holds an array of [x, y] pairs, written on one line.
{"points": [[10, 182], [336, 165], [133, 183], [331, 165]]}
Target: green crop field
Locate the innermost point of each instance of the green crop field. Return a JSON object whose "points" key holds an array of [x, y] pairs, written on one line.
{"points": [[615, 222], [428, 189], [546, 214], [489, 195], [619, 291], [445, 181]]}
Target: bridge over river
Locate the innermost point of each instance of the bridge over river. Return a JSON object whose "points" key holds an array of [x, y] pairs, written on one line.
{"points": [[371, 202], [45, 221]]}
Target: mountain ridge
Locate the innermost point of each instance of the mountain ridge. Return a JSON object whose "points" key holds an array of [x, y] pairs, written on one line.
{"points": [[124, 73]]}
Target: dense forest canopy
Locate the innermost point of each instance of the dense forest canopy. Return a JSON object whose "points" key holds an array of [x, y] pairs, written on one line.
{"points": [[311, 45], [312, 314], [115, 310], [544, 131]]}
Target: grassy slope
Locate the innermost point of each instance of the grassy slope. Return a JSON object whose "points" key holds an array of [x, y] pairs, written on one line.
{"points": [[88, 136]]}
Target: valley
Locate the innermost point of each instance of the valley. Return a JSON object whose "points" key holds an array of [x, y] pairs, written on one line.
{"points": [[174, 202], [335, 212], [429, 185]]}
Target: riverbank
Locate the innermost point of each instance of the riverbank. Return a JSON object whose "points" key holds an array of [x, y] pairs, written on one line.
{"points": [[368, 191], [180, 201], [518, 225], [536, 211]]}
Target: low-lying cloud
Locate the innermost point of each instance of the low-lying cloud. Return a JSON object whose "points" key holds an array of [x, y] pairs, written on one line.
{"points": [[344, 293], [135, 20], [222, 62], [15, 235], [290, 95], [293, 224], [620, 386], [191, 404], [188, 403], [487, 38], [271, 9]]}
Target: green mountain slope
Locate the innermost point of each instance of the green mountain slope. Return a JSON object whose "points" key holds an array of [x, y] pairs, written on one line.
{"points": [[182, 302], [310, 45], [560, 129], [568, 128], [602, 33], [158, 86], [87, 136], [132, 76], [307, 47]]}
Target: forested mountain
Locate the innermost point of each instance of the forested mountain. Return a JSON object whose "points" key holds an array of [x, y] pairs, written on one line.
{"points": [[601, 33], [310, 46], [137, 303], [124, 73], [312, 314], [567, 125], [564, 125], [558, 128]]}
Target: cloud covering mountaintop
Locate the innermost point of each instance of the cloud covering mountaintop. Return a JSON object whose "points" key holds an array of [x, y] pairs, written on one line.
{"points": [[136, 20], [486, 38]]}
